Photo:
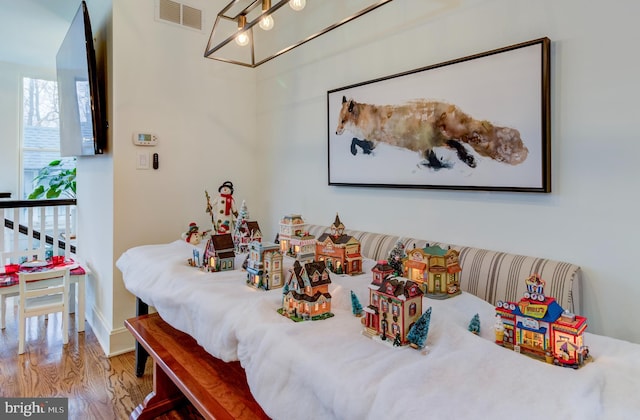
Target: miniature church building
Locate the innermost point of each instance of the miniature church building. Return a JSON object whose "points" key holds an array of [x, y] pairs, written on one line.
{"points": [[539, 327], [264, 266], [219, 253], [435, 269], [395, 304], [306, 292], [340, 252]]}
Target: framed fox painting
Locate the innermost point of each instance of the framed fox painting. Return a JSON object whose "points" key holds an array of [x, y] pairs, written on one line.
{"points": [[480, 122]]}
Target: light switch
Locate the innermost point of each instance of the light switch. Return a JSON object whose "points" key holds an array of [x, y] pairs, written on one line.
{"points": [[142, 160]]}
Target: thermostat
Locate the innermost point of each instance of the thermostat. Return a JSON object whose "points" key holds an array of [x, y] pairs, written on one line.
{"points": [[145, 139]]}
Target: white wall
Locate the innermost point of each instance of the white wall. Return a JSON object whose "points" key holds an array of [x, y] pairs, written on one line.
{"points": [[204, 115], [9, 127], [589, 219]]}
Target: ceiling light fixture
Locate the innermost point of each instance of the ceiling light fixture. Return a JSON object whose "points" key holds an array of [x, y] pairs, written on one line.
{"points": [[242, 38], [266, 22], [299, 23], [297, 5]]}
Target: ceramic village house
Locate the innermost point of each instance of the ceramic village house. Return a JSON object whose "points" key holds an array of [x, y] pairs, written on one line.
{"points": [[341, 252], [435, 269], [538, 326], [247, 232], [395, 304], [264, 266], [303, 247], [219, 253], [290, 225], [306, 292]]}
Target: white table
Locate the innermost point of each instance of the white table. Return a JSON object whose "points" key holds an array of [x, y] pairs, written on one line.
{"points": [[329, 370], [77, 291]]}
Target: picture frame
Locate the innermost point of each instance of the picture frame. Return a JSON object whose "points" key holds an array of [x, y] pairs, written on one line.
{"points": [[480, 122]]}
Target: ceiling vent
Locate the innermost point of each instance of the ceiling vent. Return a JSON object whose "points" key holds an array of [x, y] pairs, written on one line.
{"points": [[179, 14]]}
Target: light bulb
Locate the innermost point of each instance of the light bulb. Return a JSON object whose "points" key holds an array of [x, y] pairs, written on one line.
{"points": [[297, 5], [266, 23], [242, 39]]}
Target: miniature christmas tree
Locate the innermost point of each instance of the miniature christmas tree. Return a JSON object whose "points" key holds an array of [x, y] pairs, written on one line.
{"points": [[237, 232], [356, 307], [395, 258], [397, 342], [474, 325], [418, 333]]}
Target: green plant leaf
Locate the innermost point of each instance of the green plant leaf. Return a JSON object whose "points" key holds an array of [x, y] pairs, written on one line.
{"points": [[55, 179], [37, 193]]}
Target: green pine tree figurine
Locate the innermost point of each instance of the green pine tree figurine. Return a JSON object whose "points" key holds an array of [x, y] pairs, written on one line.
{"points": [[418, 333], [474, 325], [356, 307]]}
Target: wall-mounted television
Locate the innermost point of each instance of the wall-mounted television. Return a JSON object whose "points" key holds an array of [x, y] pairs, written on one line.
{"points": [[83, 124]]}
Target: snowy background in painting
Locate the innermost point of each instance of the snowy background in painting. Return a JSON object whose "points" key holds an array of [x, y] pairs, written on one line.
{"points": [[504, 89]]}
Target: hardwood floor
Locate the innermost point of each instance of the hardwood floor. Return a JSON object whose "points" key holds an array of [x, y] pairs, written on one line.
{"points": [[98, 387]]}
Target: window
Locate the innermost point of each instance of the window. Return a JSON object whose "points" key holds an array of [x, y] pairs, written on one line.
{"points": [[40, 135], [412, 309]]}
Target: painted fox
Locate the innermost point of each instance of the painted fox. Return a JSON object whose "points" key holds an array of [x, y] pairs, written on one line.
{"points": [[423, 125]]}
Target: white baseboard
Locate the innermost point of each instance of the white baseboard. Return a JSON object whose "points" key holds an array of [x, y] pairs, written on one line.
{"points": [[113, 341]]}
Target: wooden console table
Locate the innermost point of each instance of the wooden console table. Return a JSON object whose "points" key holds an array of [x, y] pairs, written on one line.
{"points": [[183, 369]]}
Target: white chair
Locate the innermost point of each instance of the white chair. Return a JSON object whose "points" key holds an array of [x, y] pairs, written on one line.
{"points": [[15, 258], [43, 292]]}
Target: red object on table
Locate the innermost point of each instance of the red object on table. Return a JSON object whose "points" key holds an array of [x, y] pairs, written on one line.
{"points": [[11, 268], [57, 260]]}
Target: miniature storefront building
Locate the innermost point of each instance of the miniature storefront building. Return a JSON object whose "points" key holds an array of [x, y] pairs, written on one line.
{"points": [[539, 327], [306, 292], [264, 266], [290, 225], [435, 269], [395, 304], [303, 247], [218, 253], [341, 252]]}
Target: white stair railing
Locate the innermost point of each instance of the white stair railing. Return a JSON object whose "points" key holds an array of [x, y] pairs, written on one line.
{"points": [[44, 226]]}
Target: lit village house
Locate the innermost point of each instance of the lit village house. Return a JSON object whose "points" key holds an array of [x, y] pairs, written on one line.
{"points": [[395, 304], [435, 269], [219, 253], [291, 225], [340, 252], [539, 327], [264, 266], [306, 292]]}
